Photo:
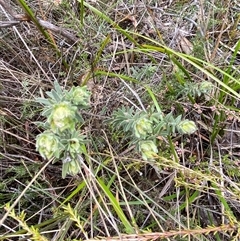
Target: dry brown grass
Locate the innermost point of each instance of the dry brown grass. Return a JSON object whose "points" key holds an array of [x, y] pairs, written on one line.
{"points": [[184, 197]]}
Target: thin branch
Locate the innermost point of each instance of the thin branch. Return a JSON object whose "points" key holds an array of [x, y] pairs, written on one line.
{"points": [[7, 24], [17, 18], [58, 30]]}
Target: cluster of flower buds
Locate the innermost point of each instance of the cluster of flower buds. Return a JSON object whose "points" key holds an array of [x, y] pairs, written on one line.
{"points": [[187, 127], [48, 145], [142, 127], [148, 149], [63, 117], [61, 140]]}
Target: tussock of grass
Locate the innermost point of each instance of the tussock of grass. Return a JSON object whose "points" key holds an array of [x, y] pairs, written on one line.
{"points": [[143, 56]]}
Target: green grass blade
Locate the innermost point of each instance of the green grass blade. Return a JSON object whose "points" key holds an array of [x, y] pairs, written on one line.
{"points": [[82, 12], [31, 15], [191, 199], [196, 62], [74, 192], [97, 58], [110, 21], [153, 99], [116, 206], [227, 208], [234, 56]]}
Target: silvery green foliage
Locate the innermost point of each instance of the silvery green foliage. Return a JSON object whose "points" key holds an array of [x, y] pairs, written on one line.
{"points": [[203, 88], [62, 140], [142, 128], [142, 73]]}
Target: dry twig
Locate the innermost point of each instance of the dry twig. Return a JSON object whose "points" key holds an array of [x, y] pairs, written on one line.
{"points": [[18, 18]]}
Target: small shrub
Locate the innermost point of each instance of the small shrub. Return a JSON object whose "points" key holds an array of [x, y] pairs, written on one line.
{"points": [[62, 139], [142, 128]]}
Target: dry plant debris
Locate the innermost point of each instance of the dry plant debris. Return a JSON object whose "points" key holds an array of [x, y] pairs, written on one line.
{"points": [[136, 54]]}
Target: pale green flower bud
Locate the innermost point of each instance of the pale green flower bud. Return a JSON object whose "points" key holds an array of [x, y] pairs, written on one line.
{"points": [[63, 117], [148, 150], [47, 144], [187, 127], [142, 127], [205, 87], [71, 166], [79, 96], [75, 145]]}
